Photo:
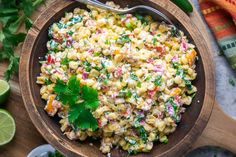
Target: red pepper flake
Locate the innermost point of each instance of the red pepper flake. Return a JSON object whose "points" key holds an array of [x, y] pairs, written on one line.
{"points": [[50, 59]]}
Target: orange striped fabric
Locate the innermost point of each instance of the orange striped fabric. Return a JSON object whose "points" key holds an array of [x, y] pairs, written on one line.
{"points": [[220, 15]]}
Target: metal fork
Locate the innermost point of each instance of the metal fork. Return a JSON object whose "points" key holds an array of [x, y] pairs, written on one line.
{"points": [[138, 8]]}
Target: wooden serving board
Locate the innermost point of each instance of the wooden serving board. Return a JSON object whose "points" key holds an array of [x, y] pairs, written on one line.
{"points": [[220, 130]]}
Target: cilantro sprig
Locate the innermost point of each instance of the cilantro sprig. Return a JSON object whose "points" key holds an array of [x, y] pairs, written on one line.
{"points": [[81, 101], [12, 14]]}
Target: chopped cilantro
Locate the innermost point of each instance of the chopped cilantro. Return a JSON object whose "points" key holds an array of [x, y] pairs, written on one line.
{"points": [[133, 76], [128, 94], [141, 18], [88, 67], [129, 25], [123, 39], [157, 81], [139, 84], [48, 81], [154, 41], [105, 81], [180, 72], [142, 132], [96, 54], [148, 77], [107, 42], [65, 61], [188, 84]]}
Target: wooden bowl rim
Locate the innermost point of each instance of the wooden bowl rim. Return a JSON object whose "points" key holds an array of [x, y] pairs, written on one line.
{"points": [[183, 145]]}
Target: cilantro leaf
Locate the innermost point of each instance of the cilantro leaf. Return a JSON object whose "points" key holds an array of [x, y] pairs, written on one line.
{"points": [[74, 112], [73, 84], [68, 94], [86, 120], [133, 76], [90, 97], [65, 61], [79, 114], [28, 23], [157, 81], [123, 39], [12, 67], [12, 14], [142, 132]]}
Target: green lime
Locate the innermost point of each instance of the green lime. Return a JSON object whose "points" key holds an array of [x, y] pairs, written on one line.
{"points": [[4, 91], [7, 127]]}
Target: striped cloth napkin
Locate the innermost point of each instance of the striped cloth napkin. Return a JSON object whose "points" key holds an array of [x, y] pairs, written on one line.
{"points": [[220, 15]]}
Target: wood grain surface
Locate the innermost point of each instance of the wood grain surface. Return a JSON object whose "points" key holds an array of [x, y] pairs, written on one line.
{"points": [[27, 137]]}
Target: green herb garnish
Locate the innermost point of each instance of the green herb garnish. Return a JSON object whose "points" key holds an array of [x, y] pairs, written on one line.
{"points": [[12, 15], [129, 26], [133, 76], [81, 101], [154, 41], [142, 132], [139, 84], [65, 61], [141, 18], [188, 84], [96, 54], [123, 39], [157, 81]]}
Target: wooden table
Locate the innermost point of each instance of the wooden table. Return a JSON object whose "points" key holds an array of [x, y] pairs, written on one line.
{"points": [[27, 137]]}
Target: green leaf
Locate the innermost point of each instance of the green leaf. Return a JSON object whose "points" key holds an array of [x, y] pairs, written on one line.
{"points": [[13, 27], [139, 84], [28, 23], [74, 112], [154, 41], [8, 4], [90, 97], [128, 94], [8, 11], [142, 132], [133, 76], [2, 36], [65, 61], [8, 19], [12, 68], [27, 7], [37, 3], [188, 84], [123, 39], [12, 40], [158, 81], [60, 87], [129, 25], [65, 95], [74, 84], [86, 120]]}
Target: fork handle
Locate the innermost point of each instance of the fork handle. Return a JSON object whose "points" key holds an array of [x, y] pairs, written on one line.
{"points": [[99, 5]]}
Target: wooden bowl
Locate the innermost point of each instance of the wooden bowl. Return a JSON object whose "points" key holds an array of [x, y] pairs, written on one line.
{"points": [[194, 119]]}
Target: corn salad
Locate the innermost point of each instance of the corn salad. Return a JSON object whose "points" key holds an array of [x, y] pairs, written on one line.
{"points": [[140, 68]]}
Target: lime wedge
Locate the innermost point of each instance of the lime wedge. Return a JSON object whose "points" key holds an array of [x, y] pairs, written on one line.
{"points": [[7, 127], [4, 91]]}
